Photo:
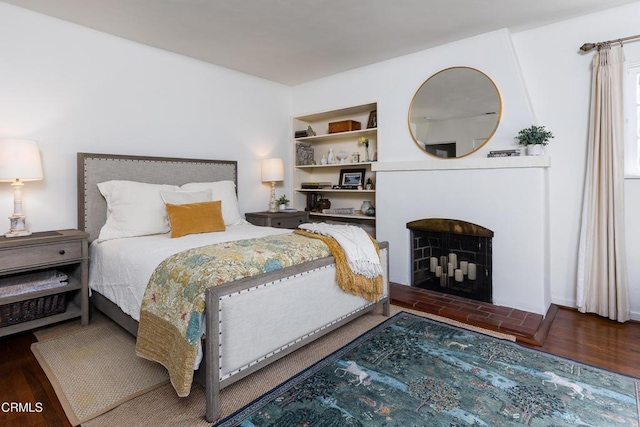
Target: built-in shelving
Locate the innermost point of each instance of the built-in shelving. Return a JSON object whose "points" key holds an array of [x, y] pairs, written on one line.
{"points": [[321, 143], [334, 190], [343, 216], [340, 165], [339, 136]]}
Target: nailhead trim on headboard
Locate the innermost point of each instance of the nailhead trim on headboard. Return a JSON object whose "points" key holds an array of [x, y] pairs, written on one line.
{"points": [[96, 168]]}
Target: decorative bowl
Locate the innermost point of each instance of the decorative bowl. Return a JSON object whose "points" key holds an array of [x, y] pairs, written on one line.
{"points": [[341, 156]]}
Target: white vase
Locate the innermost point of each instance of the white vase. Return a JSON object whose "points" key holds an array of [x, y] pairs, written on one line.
{"points": [[366, 205], [534, 150], [331, 158]]}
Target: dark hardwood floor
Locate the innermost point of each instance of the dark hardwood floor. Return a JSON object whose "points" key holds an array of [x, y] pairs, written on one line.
{"points": [[584, 337], [596, 341], [587, 338], [24, 382]]}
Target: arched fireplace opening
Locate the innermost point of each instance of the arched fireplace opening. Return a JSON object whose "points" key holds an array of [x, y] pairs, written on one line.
{"points": [[452, 257]]}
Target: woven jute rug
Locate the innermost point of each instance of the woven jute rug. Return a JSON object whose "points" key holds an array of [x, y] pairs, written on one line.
{"points": [[94, 369], [162, 406]]}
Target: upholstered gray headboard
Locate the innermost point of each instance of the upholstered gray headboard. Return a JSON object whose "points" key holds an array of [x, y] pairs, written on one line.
{"points": [[96, 168]]}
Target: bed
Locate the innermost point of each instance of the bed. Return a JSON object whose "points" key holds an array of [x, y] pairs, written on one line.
{"points": [[287, 308]]}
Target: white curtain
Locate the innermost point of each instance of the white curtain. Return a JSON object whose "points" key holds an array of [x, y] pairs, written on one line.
{"points": [[602, 270]]}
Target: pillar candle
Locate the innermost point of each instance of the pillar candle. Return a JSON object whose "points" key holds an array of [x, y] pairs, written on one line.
{"points": [[472, 271], [438, 271], [458, 275], [453, 259], [463, 267], [433, 263], [450, 269], [443, 263]]}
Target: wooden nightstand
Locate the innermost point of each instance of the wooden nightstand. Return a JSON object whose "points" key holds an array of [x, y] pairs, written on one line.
{"points": [[278, 219], [65, 251]]}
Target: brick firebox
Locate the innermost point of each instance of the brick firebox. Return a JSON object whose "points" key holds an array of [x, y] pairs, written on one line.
{"points": [[452, 257]]}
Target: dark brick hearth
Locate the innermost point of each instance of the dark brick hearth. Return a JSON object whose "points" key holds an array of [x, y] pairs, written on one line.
{"points": [[529, 328]]}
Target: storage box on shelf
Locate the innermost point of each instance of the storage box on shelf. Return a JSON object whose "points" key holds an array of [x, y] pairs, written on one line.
{"points": [[341, 150], [344, 126], [43, 279]]}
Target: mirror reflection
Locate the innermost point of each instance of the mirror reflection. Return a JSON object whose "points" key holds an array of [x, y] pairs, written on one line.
{"points": [[455, 112]]}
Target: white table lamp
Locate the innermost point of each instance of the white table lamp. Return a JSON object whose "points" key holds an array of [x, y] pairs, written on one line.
{"points": [[19, 162], [272, 171]]}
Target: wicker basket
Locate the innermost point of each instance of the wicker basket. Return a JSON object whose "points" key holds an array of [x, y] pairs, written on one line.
{"points": [[31, 309]]}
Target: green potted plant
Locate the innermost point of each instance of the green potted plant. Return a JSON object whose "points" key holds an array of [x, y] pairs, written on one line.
{"points": [[283, 202], [533, 138]]}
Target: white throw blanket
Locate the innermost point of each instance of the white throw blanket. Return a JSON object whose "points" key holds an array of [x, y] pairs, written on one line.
{"points": [[355, 242]]}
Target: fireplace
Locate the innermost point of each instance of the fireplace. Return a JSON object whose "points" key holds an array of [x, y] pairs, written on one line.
{"points": [[452, 257]]}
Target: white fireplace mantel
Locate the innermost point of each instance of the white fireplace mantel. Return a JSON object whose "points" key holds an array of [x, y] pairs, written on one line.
{"points": [[508, 195], [465, 163]]}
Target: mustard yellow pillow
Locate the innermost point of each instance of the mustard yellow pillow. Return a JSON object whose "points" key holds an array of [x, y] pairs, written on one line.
{"points": [[193, 218]]}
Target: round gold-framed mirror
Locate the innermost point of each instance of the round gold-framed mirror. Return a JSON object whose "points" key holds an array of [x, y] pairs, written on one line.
{"points": [[455, 112]]}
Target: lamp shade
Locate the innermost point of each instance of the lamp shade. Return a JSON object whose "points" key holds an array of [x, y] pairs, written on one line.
{"points": [[19, 159], [272, 170]]}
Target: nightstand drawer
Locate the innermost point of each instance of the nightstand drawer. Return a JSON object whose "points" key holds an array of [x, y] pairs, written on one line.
{"points": [[278, 219], [287, 222], [41, 254]]}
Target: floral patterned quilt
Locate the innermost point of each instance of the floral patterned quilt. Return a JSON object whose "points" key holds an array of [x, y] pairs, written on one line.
{"points": [[171, 314]]}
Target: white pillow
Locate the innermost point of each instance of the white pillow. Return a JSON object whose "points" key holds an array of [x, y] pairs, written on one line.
{"points": [[224, 191], [134, 209], [186, 197]]}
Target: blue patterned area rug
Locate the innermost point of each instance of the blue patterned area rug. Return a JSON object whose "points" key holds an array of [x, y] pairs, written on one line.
{"points": [[413, 371]]}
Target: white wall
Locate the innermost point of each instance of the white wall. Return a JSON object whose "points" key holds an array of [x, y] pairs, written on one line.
{"points": [[76, 90], [558, 78], [393, 83], [511, 202], [492, 198], [555, 75]]}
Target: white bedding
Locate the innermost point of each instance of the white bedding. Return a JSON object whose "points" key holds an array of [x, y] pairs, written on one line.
{"points": [[120, 269]]}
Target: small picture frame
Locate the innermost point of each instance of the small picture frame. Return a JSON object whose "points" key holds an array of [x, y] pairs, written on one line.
{"points": [[350, 179], [373, 120]]}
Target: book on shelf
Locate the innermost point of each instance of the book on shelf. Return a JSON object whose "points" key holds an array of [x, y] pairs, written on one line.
{"points": [[341, 211], [312, 185], [504, 153]]}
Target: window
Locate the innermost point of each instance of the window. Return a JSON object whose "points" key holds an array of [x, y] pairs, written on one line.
{"points": [[632, 121]]}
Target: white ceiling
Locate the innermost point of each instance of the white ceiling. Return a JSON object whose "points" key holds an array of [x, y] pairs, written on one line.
{"points": [[295, 41]]}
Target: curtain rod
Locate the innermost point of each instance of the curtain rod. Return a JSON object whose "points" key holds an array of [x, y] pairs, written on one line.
{"points": [[590, 46]]}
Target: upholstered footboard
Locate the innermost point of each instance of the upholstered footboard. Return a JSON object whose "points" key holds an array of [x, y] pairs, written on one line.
{"points": [[255, 321], [251, 322]]}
